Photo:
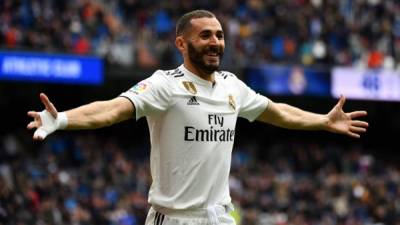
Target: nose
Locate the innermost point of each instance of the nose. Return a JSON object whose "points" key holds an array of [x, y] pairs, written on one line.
{"points": [[214, 40]]}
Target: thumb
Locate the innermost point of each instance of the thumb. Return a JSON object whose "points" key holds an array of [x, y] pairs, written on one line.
{"points": [[341, 102]]}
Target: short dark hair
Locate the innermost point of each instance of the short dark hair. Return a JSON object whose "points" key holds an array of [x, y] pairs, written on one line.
{"points": [[185, 21]]}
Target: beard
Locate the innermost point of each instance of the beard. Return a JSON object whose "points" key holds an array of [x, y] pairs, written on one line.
{"points": [[197, 58]]}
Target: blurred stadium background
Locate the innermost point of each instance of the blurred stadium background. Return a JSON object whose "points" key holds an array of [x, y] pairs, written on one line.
{"points": [[303, 52]]}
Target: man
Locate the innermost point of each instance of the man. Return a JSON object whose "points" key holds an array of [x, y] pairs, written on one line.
{"points": [[191, 113]]}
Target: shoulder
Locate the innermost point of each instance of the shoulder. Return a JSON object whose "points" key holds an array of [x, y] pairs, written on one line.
{"points": [[169, 76], [174, 73], [226, 75], [164, 77], [229, 78]]}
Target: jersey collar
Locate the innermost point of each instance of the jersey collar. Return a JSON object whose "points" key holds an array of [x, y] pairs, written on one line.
{"points": [[196, 78]]}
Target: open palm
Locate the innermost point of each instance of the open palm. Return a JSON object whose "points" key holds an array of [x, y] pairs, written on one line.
{"points": [[344, 123], [38, 123]]}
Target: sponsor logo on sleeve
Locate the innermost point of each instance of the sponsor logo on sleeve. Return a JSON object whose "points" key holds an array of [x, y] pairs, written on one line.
{"points": [[140, 87]]}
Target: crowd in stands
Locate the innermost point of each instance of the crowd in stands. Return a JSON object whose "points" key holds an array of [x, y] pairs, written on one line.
{"points": [[362, 33], [83, 179]]}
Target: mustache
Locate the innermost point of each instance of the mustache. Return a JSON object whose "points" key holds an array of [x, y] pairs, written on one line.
{"points": [[214, 49]]}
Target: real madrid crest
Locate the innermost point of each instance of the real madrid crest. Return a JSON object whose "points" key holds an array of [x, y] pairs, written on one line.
{"points": [[232, 102], [189, 86]]}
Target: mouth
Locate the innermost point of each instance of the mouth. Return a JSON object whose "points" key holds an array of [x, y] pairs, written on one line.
{"points": [[212, 51], [213, 54]]}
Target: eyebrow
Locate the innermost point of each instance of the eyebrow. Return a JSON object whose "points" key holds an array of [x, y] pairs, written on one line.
{"points": [[210, 31]]}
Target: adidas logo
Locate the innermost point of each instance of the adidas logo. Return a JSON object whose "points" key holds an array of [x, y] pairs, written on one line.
{"points": [[193, 101]]}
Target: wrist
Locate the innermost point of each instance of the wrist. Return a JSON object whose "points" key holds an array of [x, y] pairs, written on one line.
{"points": [[325, 123], [62, 120]]}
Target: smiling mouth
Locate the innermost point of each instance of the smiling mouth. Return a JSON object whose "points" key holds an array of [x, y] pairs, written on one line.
{"points": [[212, 57], [213, 54]]}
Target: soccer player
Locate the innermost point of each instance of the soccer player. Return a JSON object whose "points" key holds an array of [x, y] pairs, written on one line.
{"points": [[191, 113]]}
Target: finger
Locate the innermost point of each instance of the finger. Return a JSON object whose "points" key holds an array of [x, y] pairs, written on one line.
{"points": [[341, 101], [48, 105], [353, 135], [358, 129], [37, 138], [39, 134], [357, 114], [32, 125], [359, 123], [33, 114]]}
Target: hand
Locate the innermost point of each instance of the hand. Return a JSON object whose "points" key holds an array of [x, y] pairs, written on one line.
{"points": [[45, 122], [343, 123]]}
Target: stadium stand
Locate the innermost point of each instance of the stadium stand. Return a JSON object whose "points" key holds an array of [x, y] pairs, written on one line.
{"points": [[102, 177], [359, 33]]}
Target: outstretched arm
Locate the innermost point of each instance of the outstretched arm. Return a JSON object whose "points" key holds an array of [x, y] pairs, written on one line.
{"points": [[94, 115], [336, 121]]}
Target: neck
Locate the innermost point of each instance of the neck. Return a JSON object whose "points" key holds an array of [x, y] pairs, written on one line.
{"points": [[200, 73]]}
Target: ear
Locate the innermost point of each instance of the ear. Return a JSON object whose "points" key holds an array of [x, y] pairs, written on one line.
{"points": [[180, 44]]}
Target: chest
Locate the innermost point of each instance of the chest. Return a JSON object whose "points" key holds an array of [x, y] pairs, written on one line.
{"points": [[204, 106]]}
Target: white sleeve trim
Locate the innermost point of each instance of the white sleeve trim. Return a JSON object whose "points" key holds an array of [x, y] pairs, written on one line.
{"points": [[260, 109]]}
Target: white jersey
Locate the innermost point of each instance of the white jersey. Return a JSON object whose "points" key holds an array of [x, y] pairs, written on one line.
{"points": [[192, 129]]}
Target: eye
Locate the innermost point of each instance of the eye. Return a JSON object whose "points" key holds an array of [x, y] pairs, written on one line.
{"points": [[209, 34], [205, 35]]}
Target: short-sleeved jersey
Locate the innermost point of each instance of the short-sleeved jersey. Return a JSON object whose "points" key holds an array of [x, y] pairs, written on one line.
{"points": [[192, 129]]}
